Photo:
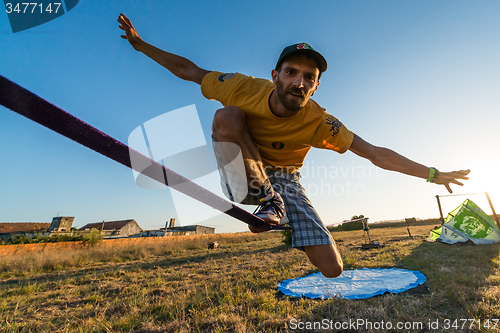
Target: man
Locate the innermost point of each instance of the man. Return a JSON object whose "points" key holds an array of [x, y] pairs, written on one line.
{"points": [[275, 124]]}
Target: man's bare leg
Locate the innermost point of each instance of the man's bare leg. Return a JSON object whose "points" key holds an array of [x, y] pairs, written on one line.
{"points": [[230, 126], [327, 258]]}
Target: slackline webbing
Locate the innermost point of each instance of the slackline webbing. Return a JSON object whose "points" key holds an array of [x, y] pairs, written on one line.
{"points": [[24, 102]]}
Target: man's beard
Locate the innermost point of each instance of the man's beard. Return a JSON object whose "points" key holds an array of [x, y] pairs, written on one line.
{"points": [[288, 102]]}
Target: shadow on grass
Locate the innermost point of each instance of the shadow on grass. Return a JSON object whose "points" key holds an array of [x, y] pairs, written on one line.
{"points": [[460, 274]]}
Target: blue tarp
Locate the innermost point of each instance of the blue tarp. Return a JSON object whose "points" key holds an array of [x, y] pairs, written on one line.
{"points": [[353, 284]]}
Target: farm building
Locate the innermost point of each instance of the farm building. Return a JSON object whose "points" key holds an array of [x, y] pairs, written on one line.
{"points": [[61, 224], [153, 233], [178, 231], [190, 230], [29, 229], [123, 228], [170, 230]]}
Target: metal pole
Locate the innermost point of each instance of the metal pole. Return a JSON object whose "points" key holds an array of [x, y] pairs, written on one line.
{"points": [[492, 209], [366, 229], [440, 210]]}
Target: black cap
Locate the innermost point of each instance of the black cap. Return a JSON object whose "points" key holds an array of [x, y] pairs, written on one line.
{"points": [[302, 48]]}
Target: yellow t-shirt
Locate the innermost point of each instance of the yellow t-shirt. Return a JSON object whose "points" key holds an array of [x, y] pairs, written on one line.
{"points": [[283, 141]]}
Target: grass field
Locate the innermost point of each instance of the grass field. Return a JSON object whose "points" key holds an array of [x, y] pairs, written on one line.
{"points": [[187, 288]]}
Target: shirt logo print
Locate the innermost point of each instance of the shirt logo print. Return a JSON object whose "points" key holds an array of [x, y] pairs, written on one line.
{"points": [[225, 77], [335, 125]]}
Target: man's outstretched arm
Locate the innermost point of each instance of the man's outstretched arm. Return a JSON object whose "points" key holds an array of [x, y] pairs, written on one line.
{"points": [[390, 160], [177, 65]]}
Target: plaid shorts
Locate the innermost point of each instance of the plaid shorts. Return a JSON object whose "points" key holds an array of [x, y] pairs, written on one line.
{"points": [[307, 227]]}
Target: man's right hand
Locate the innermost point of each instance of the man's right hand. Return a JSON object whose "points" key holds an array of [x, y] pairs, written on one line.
{"points": [[177, 65], [130, 33]]}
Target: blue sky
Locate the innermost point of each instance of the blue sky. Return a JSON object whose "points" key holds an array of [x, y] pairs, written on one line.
{"points": [[419, 77]]}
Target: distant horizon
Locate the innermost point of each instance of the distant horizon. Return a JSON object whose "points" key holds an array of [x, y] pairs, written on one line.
{"points": [[178, 224]]}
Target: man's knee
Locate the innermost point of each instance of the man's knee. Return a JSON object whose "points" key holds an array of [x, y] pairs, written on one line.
{"points": [[326, 258], [333, 270], [228, 121]]}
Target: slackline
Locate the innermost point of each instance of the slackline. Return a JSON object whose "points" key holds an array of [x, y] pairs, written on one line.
{"points": [[24, 102]]}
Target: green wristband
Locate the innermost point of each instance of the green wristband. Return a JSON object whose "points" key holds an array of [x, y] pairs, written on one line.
{"points": [[432, 172]]}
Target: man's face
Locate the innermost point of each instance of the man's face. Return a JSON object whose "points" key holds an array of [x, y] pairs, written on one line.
{"points": [[296, 82]]}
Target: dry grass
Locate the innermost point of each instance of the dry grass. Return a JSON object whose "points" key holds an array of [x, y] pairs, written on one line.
{"points": [[28, 264], [188, 288]]}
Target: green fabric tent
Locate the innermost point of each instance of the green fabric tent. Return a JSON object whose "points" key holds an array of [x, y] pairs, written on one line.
{"points": [[467, 223]]}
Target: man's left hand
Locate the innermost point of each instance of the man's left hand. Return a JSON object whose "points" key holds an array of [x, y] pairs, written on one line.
{"points": [[447, 178]]}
